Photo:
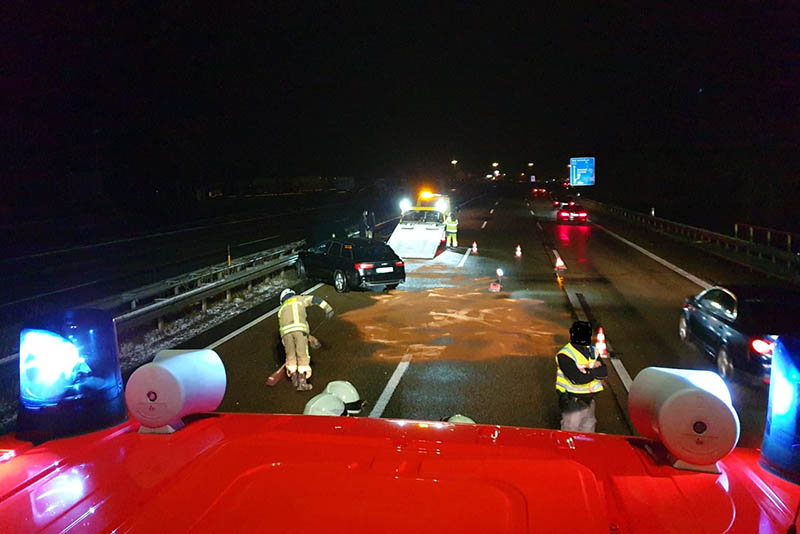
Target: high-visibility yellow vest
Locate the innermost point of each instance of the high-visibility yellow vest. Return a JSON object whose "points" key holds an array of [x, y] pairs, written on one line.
{"points": [[451, 225], [564, 384], [292, 317]]}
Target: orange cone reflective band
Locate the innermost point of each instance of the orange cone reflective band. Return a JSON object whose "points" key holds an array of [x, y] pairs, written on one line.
{"points": [[600, 346], [474, 247], [518, 253]]}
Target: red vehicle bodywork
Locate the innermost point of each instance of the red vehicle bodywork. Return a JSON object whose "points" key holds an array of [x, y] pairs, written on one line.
{"points": [[237, 473]]}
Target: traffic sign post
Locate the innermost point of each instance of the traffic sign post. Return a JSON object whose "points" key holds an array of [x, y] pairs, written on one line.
{"points": [[581, 171]]}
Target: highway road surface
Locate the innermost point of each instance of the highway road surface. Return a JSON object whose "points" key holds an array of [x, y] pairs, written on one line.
{"points": [[442, 343]]}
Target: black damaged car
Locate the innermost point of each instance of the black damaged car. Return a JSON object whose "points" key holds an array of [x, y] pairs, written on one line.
{"points": [[352, 262]]}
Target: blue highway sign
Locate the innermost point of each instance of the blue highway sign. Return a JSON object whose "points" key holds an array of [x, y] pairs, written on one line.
{"points": [[581, 171]]}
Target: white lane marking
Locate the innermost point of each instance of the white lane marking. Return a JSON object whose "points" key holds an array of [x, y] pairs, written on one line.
{"points": [[257, 240], [532, 213], [491, 211], [483, 225], [496, 203], [464, 258], [254, 322], [9, 358], [689, 276], [539, 225], [388, 391]]}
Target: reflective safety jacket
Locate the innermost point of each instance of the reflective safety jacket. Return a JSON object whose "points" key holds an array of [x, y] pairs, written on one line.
{"points": [[564, 384], [292, 313], [451, 225]]}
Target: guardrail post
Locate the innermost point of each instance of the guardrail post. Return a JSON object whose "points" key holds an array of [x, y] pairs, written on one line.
{"points": [[769, 238], [160, 324], [133, 304], [751, 234], [736, 230], [228, 295], [789, 243], [204, 304]]}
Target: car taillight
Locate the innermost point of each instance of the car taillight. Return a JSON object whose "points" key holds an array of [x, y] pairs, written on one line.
{"points": [[582, 214], [762, 346], [364, 266], [563, 214], [572, 203], [555, 203], [399, 264]]}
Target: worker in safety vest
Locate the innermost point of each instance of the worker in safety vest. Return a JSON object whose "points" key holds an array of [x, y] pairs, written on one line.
{"points": [[295, 332], [579, 375], [451, 229]]}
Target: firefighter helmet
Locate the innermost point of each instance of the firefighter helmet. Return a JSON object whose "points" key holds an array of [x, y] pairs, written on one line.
{"points": [[286, 294], [458, 418], [580, 333], [325, 404], [348, 395]]}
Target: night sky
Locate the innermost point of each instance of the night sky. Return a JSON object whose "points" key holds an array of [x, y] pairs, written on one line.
{"points": [[667, 98]]}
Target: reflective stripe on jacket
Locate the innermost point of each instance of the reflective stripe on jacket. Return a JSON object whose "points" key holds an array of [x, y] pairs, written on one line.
{"points": [[292, 315], [564, 384], [451, 225]]}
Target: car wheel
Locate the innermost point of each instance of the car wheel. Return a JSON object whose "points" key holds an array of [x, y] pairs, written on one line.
{"points": [[724, 364], [300, 268], [340, 282], [683, 329]]}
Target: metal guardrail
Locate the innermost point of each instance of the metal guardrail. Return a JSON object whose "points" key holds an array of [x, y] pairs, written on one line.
{"points": [[208, 278], [752, 250], [191, 289], [769, 236]]}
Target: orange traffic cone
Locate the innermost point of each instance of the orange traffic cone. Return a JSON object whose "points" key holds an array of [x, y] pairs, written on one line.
{"points": [[600, 347], [474, 247], [518, 253]]}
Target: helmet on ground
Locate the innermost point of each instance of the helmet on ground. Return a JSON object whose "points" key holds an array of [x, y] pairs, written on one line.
{"points": [[348, 395], [287, 294], [458, 418], [325, 404], [580, 333]]}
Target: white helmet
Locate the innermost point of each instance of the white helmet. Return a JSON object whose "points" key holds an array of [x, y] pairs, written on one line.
{"points": [[348, 395], [286, 294], [325, 404], [458, 418]]}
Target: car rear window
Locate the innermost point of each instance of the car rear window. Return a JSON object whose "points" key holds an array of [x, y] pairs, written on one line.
{"points": [[382, 253], [773, 317]]}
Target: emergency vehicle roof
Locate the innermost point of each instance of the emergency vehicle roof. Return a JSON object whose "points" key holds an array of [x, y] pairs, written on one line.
{"points": [[289, 473]]}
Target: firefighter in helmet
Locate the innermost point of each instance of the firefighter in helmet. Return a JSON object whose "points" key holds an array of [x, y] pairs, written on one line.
{"points": [[579, 376], [294, 331]]}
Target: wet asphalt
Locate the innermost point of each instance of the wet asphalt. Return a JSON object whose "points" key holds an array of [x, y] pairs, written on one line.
{"points": [[491, 355]]}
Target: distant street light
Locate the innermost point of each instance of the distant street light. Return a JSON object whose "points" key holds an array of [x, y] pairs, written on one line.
{"points": [[530, 164], [495, 164], [453, 161]]}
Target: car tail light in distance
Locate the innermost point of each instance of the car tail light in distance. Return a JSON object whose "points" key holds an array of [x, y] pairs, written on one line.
{"points": [[555, 203], [762, 346], [364, 266], [399, 264], [582, 214], [563, 214]]}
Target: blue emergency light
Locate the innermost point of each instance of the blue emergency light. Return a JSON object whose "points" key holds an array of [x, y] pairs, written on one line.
{"points": [[780, 450], [69, 375]]}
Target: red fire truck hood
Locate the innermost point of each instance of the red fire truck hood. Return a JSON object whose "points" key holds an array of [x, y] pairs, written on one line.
{"points": [[285, 473]]}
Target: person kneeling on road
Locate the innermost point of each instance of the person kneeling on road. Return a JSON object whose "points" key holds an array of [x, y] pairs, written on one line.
{"points": [[294, 330], [579, 375]]}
